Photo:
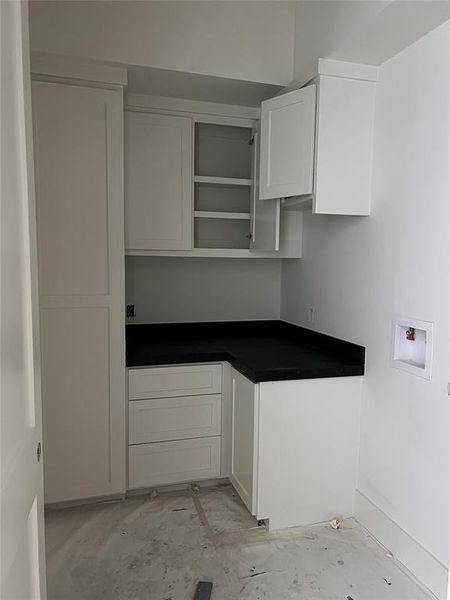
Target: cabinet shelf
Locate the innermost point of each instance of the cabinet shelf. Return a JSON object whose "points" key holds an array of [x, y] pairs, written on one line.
{"points": [[211, 214], [223, 181], [209, 253]]}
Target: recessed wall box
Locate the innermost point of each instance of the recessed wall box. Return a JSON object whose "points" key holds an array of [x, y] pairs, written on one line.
{"points": [[412, 346]]}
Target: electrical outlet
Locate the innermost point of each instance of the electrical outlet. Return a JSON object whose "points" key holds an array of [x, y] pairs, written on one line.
{"points": [[131, 311], [311, 315]]}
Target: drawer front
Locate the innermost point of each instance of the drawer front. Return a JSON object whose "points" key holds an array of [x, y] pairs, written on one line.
{"points": [[163, 463], [167, 382], [164, 419]]}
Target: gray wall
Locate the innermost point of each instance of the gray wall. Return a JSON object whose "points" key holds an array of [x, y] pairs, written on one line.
{"points": [[202, 289], [243, 40]]}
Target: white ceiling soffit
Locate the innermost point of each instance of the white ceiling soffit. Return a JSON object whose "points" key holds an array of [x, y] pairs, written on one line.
{"points": [[191, 86]]}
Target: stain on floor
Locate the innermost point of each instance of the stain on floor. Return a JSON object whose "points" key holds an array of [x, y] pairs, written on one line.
{"points": [[158, 547]]}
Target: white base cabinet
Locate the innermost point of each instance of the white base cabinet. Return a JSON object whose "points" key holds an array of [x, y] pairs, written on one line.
{"points": [[174, 424], [294, 448], [290, 448]]}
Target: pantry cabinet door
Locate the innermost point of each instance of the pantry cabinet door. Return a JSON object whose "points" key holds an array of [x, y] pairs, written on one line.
{"points": [[265, 215], [287, 144], [79, 183], [244, 439], [158, 182]]}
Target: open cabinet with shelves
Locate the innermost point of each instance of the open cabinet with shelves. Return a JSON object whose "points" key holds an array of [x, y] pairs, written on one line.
{"points": [[222, 186], [192, 189], [221, 199]]}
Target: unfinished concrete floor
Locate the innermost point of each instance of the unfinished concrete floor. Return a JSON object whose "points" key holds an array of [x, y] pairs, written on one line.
{"points": [[158, 547]]}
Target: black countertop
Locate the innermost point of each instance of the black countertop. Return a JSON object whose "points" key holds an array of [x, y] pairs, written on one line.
{"points": [[260, 350]]}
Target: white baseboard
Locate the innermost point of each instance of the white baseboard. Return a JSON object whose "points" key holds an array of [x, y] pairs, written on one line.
{"points": [[426, 568]]}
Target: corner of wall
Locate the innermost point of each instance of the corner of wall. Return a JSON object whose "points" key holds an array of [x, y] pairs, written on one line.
{"points": [[427, 569]]}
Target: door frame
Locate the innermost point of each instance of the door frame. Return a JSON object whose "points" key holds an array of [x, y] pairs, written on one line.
{"points": [[21, 493]]}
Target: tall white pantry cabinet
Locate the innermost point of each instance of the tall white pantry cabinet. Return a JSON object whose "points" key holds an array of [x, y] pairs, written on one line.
{"points": [[78, 130]]}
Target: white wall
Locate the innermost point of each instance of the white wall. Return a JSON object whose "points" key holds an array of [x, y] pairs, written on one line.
{"points": [[367, 32], [203, 289], [320, 27], [240, 40], [360, 273]]}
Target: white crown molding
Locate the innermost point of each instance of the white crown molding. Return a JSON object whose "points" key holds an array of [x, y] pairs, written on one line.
{"points": [[69, 67], [349, 70], [191, 107]]}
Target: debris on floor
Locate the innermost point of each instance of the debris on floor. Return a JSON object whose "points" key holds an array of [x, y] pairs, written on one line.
{"points": [[203, 591], [161, 549], [336, 523]]}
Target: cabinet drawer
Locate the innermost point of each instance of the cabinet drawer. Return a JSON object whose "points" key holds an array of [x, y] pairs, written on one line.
{"points": [[163, 419], [167, 382], [173, 462]]}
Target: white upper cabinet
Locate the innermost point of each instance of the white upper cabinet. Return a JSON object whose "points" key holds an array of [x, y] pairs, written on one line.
{"points": [[192, 186], [344, 140], [158, 182], [287, 144], [321, 151]]}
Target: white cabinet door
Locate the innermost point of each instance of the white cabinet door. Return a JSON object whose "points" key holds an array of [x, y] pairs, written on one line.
{"points": [[22, 549], [158, 182], [287, 144], [79, 176], [265, 224], [244, 439]]}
